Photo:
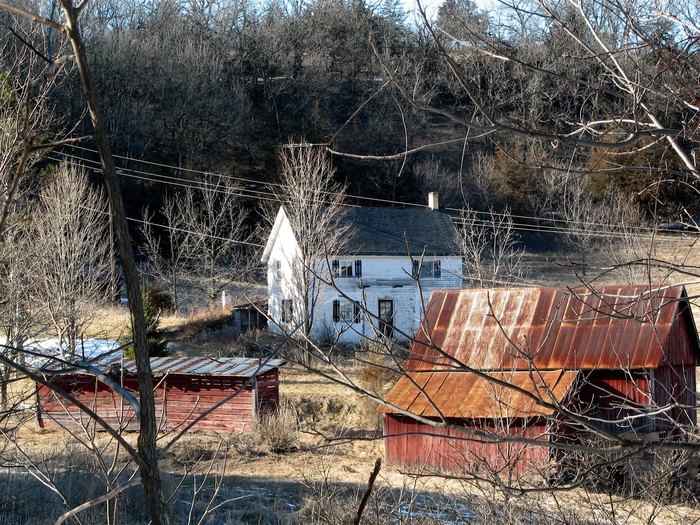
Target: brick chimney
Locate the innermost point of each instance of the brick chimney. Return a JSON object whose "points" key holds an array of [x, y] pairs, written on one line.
{"points": [[433, 201]]}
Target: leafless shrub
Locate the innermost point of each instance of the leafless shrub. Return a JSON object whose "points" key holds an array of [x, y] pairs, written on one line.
{"points": [[247, 444], [252, 343], [325, 501], [279, 431], [378, 368], [329, 502]]}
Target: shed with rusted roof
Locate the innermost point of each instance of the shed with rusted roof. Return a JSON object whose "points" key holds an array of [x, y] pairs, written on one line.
{"points": [[498, 370], [224, 394]]}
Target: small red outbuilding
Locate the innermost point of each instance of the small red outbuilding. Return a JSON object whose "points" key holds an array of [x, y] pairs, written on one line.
{"points": [[494, 372], [185, 388]]}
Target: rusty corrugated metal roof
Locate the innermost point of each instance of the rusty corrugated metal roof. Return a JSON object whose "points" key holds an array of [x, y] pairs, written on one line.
{"points": [[547, 329], [199, 366], [468, 395]]}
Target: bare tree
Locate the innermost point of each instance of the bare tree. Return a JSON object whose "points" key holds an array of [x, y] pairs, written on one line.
{"points": [[71, 253], [28, 127], [490, 249], [214, 217], [207, 240], [313, 204], [610, 226], [147, 450], [19, 316], [168, 265]]}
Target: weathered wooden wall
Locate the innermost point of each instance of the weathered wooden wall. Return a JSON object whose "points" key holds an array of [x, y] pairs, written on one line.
{"points": [[408, 442], [180, 399]]}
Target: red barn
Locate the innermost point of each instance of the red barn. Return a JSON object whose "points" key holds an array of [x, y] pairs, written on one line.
{"points": [[185, 388], [504, 365]]}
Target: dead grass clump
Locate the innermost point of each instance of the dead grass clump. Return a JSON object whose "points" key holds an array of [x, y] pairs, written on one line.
{"points": [[276, 432], [247, 444], [193, 453], [377, 372], [331, 502], [327, 501], [279, 431]]}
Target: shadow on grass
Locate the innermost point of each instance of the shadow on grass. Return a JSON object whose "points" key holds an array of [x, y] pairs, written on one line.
{"points": [[24, 499]]}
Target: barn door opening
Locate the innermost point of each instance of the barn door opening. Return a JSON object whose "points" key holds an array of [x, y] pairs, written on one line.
{"points": [[386, 316]]}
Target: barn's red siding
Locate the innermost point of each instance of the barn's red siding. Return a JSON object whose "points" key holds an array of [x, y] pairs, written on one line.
{"points": [[635, 350], [268, 391], [54, 411], [180, 400], [409, 442]]}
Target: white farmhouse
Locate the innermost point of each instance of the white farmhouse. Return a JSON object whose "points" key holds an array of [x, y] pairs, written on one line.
{"points": [[386, 250]]}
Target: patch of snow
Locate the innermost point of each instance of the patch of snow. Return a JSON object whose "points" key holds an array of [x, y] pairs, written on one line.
{"points": [[50, 350]]}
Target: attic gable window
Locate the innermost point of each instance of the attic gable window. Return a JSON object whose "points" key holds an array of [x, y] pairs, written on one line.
{"points": [[427, 269], [287, 310], [346, 268], [277, 265]]}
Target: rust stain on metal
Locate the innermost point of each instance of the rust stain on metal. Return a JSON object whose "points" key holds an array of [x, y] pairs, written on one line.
{"points": [[468, 395], [200, 366], [548, 329]]}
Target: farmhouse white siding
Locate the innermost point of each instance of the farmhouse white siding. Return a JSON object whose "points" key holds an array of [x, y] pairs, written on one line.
{"points": [[384, 290], [383, 279], [279, 268]]}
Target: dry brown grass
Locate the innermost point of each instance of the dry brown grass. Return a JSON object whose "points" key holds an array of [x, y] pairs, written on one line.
{"points": [[335, 474], [109, 323]]}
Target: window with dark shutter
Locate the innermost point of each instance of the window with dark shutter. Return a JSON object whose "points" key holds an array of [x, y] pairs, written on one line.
{"points": [[356, 318], [437, 271], [358, 268], [336, 311], [416, 269], [335, 267], [278, 270], [287, 310]]}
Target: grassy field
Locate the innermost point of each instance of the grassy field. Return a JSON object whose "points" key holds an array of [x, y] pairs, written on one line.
{"points": [[318, 476]]}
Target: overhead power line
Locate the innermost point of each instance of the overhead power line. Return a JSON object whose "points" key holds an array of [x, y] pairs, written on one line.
{"points": [[532, 223]]}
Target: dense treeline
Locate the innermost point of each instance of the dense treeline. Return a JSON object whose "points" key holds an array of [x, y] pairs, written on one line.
{"points": [[220, 84]]}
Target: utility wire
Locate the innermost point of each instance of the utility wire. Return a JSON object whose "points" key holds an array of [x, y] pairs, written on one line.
{"points": [[272, 184], [590, 229], [182, 230]]}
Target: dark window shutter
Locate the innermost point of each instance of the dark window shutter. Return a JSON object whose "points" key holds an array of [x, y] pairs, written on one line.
{"points": [[336, 311], [335, 267], [358, 268], [437, 269], [416, 269], [356, 319]]}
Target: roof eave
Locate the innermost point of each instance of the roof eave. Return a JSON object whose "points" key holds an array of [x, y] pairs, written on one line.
{"points": [[274, 233]]}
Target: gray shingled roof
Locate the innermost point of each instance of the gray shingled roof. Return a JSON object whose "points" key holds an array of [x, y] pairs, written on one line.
{"points": [[384, 231]]}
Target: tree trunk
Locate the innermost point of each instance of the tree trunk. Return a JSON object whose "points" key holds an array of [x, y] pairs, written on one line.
{"points": [[150, 475]]}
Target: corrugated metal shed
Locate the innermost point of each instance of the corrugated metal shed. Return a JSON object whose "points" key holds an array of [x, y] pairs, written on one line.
{"points": [[221, 394], [199, 366], [610, 353], [471, 396], [548, 329]]}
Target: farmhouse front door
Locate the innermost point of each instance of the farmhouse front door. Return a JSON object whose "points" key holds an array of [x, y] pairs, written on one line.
{"points": [[386, 316]]}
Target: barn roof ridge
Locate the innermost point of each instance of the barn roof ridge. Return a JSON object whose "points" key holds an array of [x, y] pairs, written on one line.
{"points": [[572, 328], [198, 366]]}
